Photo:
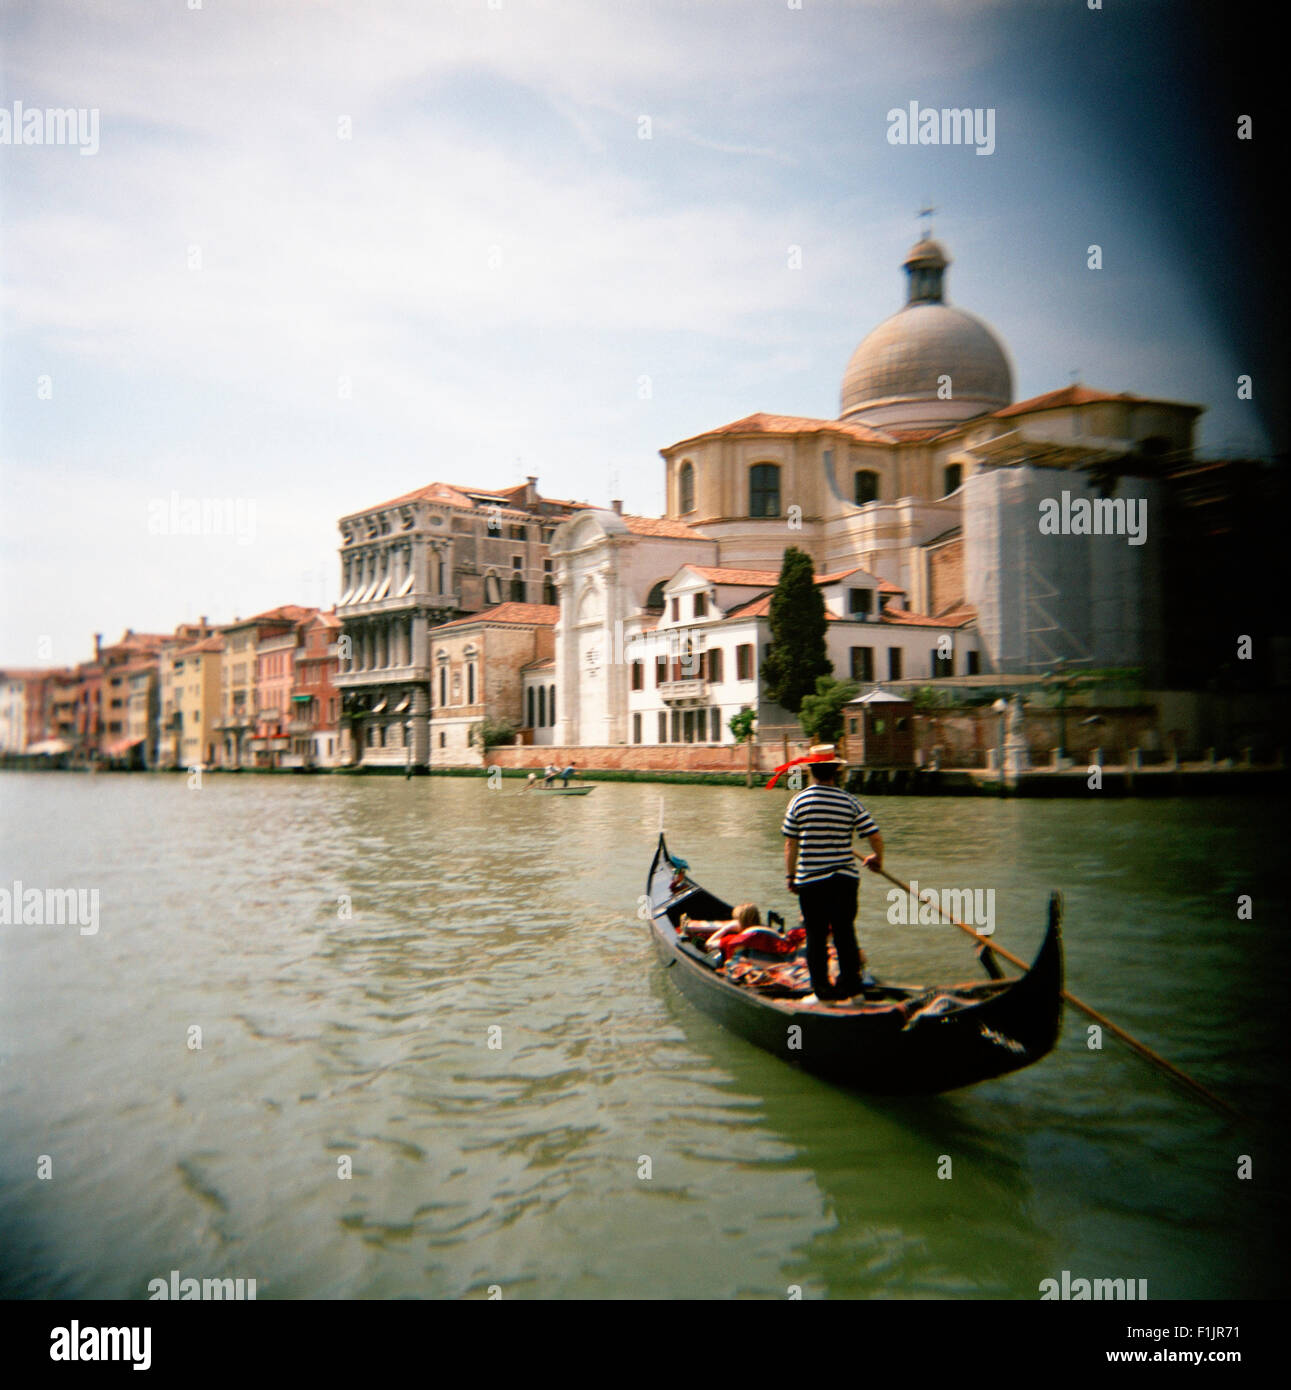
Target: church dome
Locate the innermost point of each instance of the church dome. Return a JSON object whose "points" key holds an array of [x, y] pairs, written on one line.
{"points": [[897, 375]]}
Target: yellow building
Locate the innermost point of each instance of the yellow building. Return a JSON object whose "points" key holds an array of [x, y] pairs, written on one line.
{"points": [[195, 679]]}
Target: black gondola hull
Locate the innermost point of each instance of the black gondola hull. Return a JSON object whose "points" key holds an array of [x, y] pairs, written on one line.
{"points": [[876, 1052]]}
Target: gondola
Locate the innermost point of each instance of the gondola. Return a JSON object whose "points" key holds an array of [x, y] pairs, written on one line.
{"points": [[576, 789], [897, 1040]]}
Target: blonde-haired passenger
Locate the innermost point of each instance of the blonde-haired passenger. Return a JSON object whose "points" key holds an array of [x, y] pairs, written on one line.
{"points": [[744, 916]]}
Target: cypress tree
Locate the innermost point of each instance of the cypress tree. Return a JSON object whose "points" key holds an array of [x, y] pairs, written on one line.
{"points": [[797, 654]]}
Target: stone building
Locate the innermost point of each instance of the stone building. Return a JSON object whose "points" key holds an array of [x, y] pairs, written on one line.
{"points": [[314, 726], [479, 667], [411, 564], [197, 692], [238, 721], [931, 478]]}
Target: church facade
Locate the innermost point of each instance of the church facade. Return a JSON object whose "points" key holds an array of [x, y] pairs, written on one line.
{"points": [[931, 490]]}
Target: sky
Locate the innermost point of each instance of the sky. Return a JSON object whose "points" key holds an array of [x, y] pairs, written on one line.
{"points": [[308, 257]]}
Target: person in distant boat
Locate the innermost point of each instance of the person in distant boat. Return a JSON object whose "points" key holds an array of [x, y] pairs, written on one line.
{"points": [[821, 869], [567, 774], [549, 774]]}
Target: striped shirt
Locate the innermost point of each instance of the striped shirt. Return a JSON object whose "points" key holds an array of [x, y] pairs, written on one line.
{"points": [[823, 820]]}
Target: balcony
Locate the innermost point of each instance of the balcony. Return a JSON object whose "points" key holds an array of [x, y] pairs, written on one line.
{"points": [[691, 692]]}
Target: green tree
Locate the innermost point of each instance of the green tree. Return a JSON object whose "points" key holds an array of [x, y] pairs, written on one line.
{"points": [[741, 725], [821, 715], [492, 732], [797, 653]]}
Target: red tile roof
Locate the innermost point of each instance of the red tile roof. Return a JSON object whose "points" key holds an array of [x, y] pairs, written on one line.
{"points": [[451, 495], [901, 617], [214, 643], [1081, 395], [761, 423], [752, 579], [661, 526], [512, 614], [287, 613]]}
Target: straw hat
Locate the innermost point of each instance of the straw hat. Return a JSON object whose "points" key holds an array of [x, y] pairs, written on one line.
{"points": [[819, 751]]}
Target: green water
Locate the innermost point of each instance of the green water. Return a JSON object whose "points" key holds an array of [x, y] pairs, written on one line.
{"points": [[328, 1037]]}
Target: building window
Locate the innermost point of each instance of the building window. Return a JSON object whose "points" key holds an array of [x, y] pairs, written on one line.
{"points": [[551, 704], [660, 670], [547, 533], [866, 484], [894, 663], [686, 488], [863, 663], [952, 477], [517, 589], [636, 728], [715, 725], [974, 663], [549, 592], [744, 662], [443, 686], [676, 726], [715, 664], [494, 525], [701, 605], [441, 740], [470, 682], [860, 602], [942, 665], [663, 727], [517, 533], [542, 706], [638, 675], [676, 610], [764, 489], [532, 725]]}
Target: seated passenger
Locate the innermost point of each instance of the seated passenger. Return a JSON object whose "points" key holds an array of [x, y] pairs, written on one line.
{"points": [[746, 915]]}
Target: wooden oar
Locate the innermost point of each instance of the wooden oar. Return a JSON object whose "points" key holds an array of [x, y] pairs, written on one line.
{"points": [[1101, 1019]]}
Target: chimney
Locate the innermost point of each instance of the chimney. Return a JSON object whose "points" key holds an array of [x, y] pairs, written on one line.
{"points": [[98, 645], [531, 490], [617, 505]]}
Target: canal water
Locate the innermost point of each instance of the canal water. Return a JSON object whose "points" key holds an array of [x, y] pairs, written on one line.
{"points": [[350, 948]]}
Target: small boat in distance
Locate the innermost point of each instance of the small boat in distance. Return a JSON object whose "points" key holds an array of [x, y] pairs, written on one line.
{"points": [[551, 788], [893, 1040]]}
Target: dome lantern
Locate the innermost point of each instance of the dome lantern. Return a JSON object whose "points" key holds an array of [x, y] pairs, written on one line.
{"points": [[929, 365]]}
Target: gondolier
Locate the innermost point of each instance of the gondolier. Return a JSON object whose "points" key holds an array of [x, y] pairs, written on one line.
{"points": [[821, 868]]}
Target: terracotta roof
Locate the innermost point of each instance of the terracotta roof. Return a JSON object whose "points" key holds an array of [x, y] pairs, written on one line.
{"points": [[753, 579], [514, 614], [910, 434], [26, 673], [207, 644], [1080, 395], [900, 617], [761, 423], [451, 495], [768, 579], [661, 526], [287, 613]]}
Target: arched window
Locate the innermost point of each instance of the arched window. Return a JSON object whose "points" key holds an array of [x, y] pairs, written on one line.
{"points": [[686, 487], [764, 489], [953, 476], [867, 486], [654, 599], [551, 704], [532, 725], [517, 589], [542, 707]]}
